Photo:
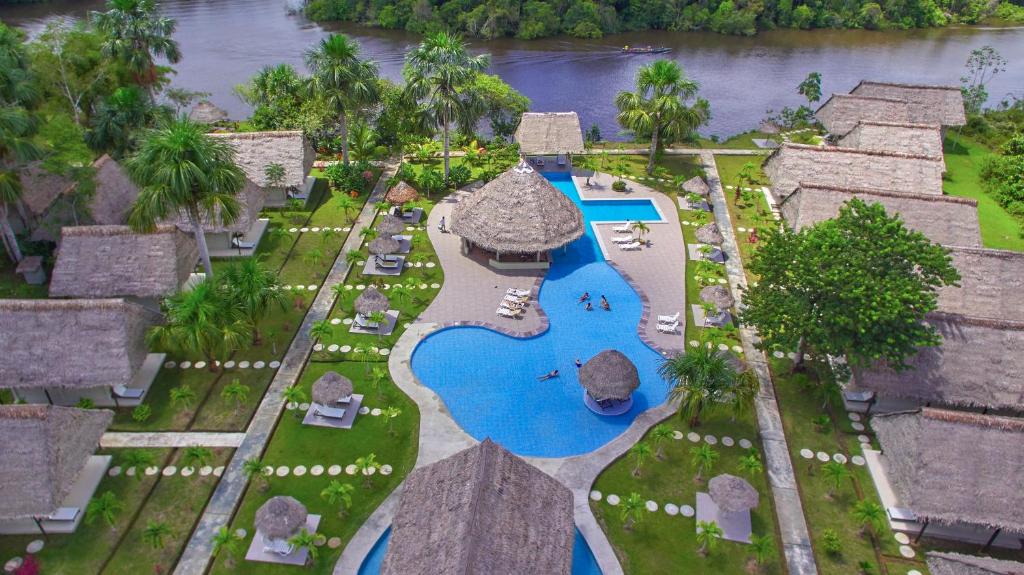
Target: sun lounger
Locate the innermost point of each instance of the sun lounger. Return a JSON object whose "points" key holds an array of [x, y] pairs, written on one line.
{"points": [[512, 305], [630, 247], [624, 228], [859, 396], [64, 514], [362, 322], [279, 546], [668, 327], [623, 239], [515, 298], [386, 263], [505, 312], [561, 159], [345, 400], [518, 292], [128, 392], [668, 318], [237, 243], [332, 412]]}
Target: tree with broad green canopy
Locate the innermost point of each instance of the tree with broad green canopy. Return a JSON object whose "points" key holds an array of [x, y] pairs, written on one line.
{"points": [[708, 535], [810, 88], [202, 320], [254, 288], [137, 35]]}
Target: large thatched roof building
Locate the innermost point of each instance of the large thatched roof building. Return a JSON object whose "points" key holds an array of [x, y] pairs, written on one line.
{"points": [[942, 105], [922, 139], [254, 151], [114, 261], [482, 510], [791, 164], [549, 134], [401, 193], [943, 219], [40, 188], [842, 112], [251, 200], [206, 112], [115, 193], [954, 467], [960, 564], [45, 448], [991, 284]]}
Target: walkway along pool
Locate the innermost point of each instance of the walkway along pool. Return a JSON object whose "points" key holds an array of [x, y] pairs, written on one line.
{"points": [[489, 382]]}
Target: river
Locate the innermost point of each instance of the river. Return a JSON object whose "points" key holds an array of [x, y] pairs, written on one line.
{"points": [[224, 42]]}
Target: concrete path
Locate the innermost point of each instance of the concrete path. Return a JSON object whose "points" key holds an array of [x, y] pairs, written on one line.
{"points": [[682, 152], [171, 439], [796, 540], [228, 493]]}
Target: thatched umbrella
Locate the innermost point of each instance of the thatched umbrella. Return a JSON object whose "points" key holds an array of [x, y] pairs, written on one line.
{"points": [[384, 245], [609, 375], [696, 185], [390, 225], [718, 295], [401, 193], [732, 494], [281, 517], [206, 112], [371, 300], [709, 234], [331, 387]]}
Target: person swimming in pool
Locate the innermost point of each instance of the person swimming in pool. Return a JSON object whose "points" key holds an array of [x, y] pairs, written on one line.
{"points": [[604, 304], [548, 376], [579, 363], [584, 297], [588, 307]]}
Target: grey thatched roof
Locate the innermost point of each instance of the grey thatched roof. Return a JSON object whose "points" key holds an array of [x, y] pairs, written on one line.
{"points": [[927, 104], [943, 219], [732, 494], [383, 245], [331, 387], [960, 564], [976, 365], [206, 112], [251, 199], [696, 185], [921, 139], [41, 188], [72, 343], [718, 295], [482, 510], [518, 212], [114, 261], [390, 225], [254, 151], [281, 517], [991, 284], [45, 448], [401, 193], [841, 112], [956, 467], [709, 234], [371, 300], [115, 193], [609, 375], [548, 133]]}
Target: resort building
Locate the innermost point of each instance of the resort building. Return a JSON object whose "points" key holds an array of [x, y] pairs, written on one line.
{"points": [[942, 105], [61, 351], [960, 564], [842, 112], [952, 475], [240, 238], [923, 139], [255, 152], [482, 510], [114, 261], [40, 189], [517, 219], [550, 137], [206, 112], [946, 220], [832, 166], [991, 284], [48, 472]]}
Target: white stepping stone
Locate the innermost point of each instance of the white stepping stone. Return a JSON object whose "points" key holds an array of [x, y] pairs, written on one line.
{"points": [[728, 441], [693, 436], [430, 264], [335, 229], [312, 287], [286, 287], [268, 470], [902, 538], [169, 471], [291, 406], [243, 365], [35, 546], [671, 509], [350, 469], [317, 229], [318, 347], [199, 364], [435, 285], [275, 364], [686, 510], [293, 230], [723, 347], [385, 351], [854, 416], [333, 347], [423, 286], [170, 365], [375, 411], [652, 506], [114, 471], [130, 472], [282, 471], [721, 280], [348, 287], [907, 551], [299, 471], [369, 471], [410, 229], [205, 470], [185, 364], [187, 471], [676, 434], [152, 470], [791, 355], [806, 453], [259, 365], [229, 364], [336, 321], [746, 444], [303, 230], [364, 410], [316, 470], [913, 572], [595, 495], [741, 229], [778, 354], [612, 500], [360, 287], [737, 349], [345, 348], [858, 460], [218, 471], [710, 439], [303, 406], [839, 458], [808, 356], [694, 343], [333, 470], [386, 469], [346, 229], [857, 426], [863, 438], [823, 457], [347, 321]]}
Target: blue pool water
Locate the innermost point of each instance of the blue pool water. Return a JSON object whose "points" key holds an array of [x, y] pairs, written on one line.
{"points": [[583, 562], [488, 380]]}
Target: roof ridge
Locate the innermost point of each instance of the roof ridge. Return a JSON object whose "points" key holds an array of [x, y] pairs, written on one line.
{"points": [[844, 150], [861, 97], [992, 323], [915, 86], [888, 193], [486, 453], [900, 124], [988, 252], [1002, 423], [117, 230]]}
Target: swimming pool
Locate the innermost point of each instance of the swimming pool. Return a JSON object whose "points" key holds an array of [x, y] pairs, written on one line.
{"points": [[489, 382]]}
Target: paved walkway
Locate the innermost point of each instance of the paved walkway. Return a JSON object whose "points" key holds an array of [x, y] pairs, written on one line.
{"points": [[228, 493], [796, 541], [171, 439], [683, 151]]}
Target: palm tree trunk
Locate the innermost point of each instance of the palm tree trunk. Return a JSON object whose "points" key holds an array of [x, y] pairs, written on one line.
{"points": [[446, 160], [654, 148], [344, 139], [204, 252], [10, 240]]}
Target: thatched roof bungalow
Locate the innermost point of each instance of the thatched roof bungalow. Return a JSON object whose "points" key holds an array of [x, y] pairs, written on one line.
{"points": [[955, 468], [732, 494], [41, 188], [791, 164], [114, 261], [401, 193], [206, 112], [842, 112], [942, 105], [482, 510], [718, 295], [922, 139], [46, 448], [991, 284], [251, 200], [549, 134], [331, 387], [254, 151], [390, 225], [696, 185], [946, 220], [370, 301], [280, 517], [115, 193], [960, 564], [709, 234]]}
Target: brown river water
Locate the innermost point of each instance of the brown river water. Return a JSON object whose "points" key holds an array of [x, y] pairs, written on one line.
{"points": [[224, 42]]}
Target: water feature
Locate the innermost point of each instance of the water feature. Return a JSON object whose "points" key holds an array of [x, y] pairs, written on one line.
{"points": [[226, 41]]}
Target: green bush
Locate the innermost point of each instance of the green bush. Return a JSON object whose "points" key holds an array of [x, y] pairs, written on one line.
{"points": [[459, 176], [141, 413], [831, 543], [619, 186]]}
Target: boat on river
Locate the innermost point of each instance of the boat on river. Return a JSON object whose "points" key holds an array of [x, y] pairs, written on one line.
{"points": [[644, 49]]}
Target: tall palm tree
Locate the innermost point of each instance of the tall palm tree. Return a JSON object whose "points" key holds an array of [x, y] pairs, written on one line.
{"points": [[438, 73], [640, 452], [254, 288], [136, 34], [227, 541], [834, 474], [659, 434], [659, 106], [704, 458], [632, 510], [340, 494], [342, 79], [703, 379], [181, 169], [154, 533], [708, 534], [202, 320], [349, 207]]}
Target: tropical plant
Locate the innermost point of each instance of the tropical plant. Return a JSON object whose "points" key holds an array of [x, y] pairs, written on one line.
{"points": [[137, 35], [865, 567], [320, 330], [275, 174], [659, 434], [363, 142], [306, 540], [141, 413], [138, 459], [831, 542], [237, 392], [401, 292], [640, 229], [763, 547], [85, 403], [349, 207], [632, 510], [380, 318], [340, 494], [326, 234], [154, 533], [295, 394], [708, 534], [367, 466], [183, 396], [834, 474], [704, 379], [367, 234], [314, 257], [255, 468], [227, 541], [430, 181], [295, 206], [751, 465], [745, 178], [115, 124], [703, 457], [196, 456], [869, 515], [202, 320], [105, 506], [377, 378], [254, 288], [640, 452], [389, 414], [821, 423]]}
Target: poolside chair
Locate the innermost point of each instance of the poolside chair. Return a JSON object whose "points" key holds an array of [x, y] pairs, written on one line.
{"points": [[505, 312], [630, 247], [238, 244], [331, 412], [64, 514], [561, 159], [623, 239], [361, 321], [128, 392], [668, 318], [668, 327], [512, 305], [279, 546], [515, 298], [386, 263], [624, 228], [518, 292], [344, 400]]}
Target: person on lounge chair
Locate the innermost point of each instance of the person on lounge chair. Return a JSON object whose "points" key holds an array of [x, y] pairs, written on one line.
{"points": [[584, 297], [548, 376], [604, 304]]}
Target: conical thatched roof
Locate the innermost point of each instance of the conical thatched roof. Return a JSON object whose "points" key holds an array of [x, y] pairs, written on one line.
{"points": [[45, 448], [518, 212], [206, 112], [960, 564], [114, 194], [718, 295], [482, 510], [384, 245], [281, 517], [401, 193], [696, 185], [609, 375], [390, 225], [331, 387], [732, 494], [709, 234], [371, 300]]}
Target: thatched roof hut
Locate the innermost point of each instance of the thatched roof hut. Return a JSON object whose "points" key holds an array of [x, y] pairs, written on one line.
{"points": [[45, 449], [718, 295], [40, 188], [250, 198], [383, 245], [696, 185], [924, 139], [390, 225], [331, 387], [973, 367], [114, 261], [114, 195], [732, 494], [956, 467], [482, 510], [549, 133], [991, 284], [72, 343], [371, 300], [206, 112], [709, 234], [518, 212], [960, 564], [928, 104], [948, 220], [841, 112], [281, 517], [254, 151], [401, 193], [609, 375]]}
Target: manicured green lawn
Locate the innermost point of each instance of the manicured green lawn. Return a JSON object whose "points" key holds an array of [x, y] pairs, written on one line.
{"points": [[635, 167], [749, 210], [964, 159]]}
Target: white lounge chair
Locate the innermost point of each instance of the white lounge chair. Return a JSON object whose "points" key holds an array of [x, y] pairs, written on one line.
{"points": [[332, 412], [668, 318], [344, 400], [630, 247], [512, 305], [668, 327], [128, 392], [624, 228], [238, 244], [385, 263], [64, 514], [279, 546], [623, 239], [505, 312], [515, 298], [518, 292], [364, 323]]}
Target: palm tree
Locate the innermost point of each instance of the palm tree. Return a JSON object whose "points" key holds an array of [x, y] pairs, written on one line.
{"points": [[227, 541], [183, 396], [107, 506], [320, 330], [326, 234], [632, 510], [352, 257], [181, 169], [202, 320], [708, 534], [389, 414], [308, 540], [377, 377], [16, 146], [438, 72], [763, 547], [255, 468], [237, 392], [380, 318], [254, 289], [341, 79], [349, 207], [401, 292], [702, 379], [639, 228], [659, 105], [745, 176], [367, 234], [640, 452], [703, 458], [136, 34], [751, 465], [154, 533], [834, 474], [138, 459], [314, 257], [196, 456], [340, 494], [294, 394], [364, 466], [869, 515], [659, 434]]}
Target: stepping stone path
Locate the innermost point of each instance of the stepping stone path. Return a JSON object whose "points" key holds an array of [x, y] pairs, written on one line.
{"points": [[854, 416], [35, 546], [229, 364], [806, 454], [778, 354], [711, 439], [612, 500], [130, 472], [334, 470], [728, 441], [671, 509], [268, 470], [114, 471], [839, 458], [205, 470], [386, 469], [737, 349], [243, 365], [291, 406], [218, 471], [858, 460], [318, 347], [199, 364], [857, 426], [435, 285], [187, 471], [746, 444], [275, 364], [170, 365], [13, 564], [595, 495], [686, 510], [907, 551], [303, 407], [347, 321], [678, 434], [913, 572], [282, 471], [345, 348], [334, 542], [350, 469], [694, 343], [333, 347], [723, 347], [152, 470], [169, 470], [902, 538], [375, 411], [259, 365], [364, 410], [299, 471], [316, 470], [823, 457], [863, 439], [335, 321], [693, 437], [652, 506], [185, 364]]}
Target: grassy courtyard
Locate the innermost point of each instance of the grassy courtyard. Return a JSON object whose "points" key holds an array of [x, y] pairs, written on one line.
{"points": [[964, 160]]}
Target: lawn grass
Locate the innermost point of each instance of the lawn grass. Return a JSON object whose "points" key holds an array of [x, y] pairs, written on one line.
{"points": [[750, 210], [634, 167], [728, 336], [13, 286], [964, 160]]}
